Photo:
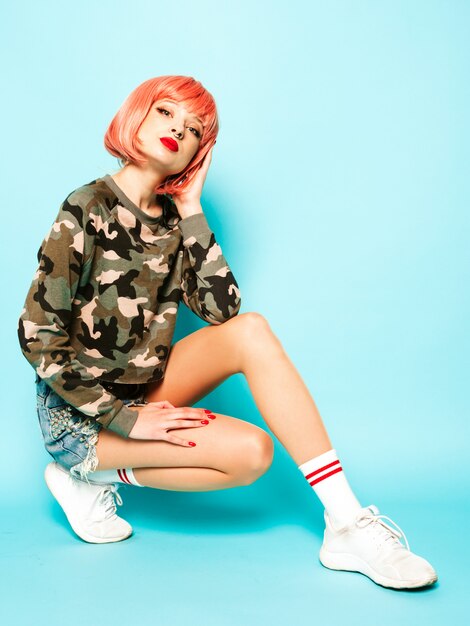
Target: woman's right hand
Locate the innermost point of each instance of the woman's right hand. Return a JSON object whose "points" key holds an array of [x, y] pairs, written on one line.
{"points": [[157, 418]]}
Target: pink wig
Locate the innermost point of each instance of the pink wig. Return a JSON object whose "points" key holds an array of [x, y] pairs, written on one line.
{"points": [[121, 139]]}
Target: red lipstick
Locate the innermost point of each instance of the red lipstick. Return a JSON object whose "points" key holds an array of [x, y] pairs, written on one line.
{"points": [[169, 143]]}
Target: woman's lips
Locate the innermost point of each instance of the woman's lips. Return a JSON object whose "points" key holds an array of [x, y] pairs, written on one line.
{"points": [[169, 143]]}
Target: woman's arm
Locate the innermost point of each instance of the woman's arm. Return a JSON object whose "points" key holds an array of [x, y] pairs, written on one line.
{"points": [[208, 286], [46, 315]]}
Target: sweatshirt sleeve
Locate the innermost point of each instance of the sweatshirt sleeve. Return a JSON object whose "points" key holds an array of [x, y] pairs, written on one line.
{"points": [[208, 286], [46, 314]]}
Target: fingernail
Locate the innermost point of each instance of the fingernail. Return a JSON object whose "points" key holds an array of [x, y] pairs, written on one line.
{"points": [[212, 417], [207, 411], [191, 443], [204, 421]]}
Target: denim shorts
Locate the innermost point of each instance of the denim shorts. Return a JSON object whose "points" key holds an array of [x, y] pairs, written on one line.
{"points": [[70, 435]]}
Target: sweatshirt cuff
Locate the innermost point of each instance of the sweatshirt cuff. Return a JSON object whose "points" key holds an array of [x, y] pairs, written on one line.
{"points": [[194, 226], [123, 422]]}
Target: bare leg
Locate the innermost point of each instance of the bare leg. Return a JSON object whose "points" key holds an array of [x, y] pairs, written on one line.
{"points": [[282, 396], [229, 452], [185, 478], [246, 344]]}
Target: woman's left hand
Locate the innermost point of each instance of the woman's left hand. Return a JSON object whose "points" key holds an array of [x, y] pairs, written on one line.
{"points": [[189, 201]]}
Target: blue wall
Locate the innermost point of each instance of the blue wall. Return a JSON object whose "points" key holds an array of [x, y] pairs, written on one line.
{"points": [[338, 191]]}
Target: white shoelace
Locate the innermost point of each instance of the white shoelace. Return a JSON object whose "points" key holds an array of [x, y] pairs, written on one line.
{"points": [[107, 499], [383, 530]]}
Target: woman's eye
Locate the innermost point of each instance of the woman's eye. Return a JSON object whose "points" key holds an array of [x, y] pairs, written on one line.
{"points": [[162, 110], [196, 132]]}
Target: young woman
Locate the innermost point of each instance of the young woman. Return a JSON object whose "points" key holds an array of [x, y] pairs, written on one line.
{"points": [[115, 398]]}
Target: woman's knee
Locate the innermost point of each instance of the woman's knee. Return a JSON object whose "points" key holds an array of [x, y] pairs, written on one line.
{"points": [[252, 328], [240, 333], [255, 332], [258, 457], [253, 322]]}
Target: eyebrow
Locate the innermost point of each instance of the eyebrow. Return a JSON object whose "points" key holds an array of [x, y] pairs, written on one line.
{"points": [[172, 102]]}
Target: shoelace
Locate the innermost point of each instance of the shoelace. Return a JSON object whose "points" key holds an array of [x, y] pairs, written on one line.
{"points": [[385, 532], [107, 498]]}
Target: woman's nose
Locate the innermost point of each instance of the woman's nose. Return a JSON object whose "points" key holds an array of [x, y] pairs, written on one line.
{"points": [[177, 133]]}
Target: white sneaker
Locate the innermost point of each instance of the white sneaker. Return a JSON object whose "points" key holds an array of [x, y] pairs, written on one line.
{"points": [[372, 547], [90, 508]]}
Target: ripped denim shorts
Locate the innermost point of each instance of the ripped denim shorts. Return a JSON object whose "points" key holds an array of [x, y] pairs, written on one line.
{"points": [[70, 435]]}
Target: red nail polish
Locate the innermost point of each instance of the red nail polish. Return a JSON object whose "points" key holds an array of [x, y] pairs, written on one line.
{"points": [[207, 411], [191, 443], [204, 421], [212, 417]]}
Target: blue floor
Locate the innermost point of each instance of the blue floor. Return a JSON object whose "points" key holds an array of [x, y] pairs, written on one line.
{"points": [[247, 555]]}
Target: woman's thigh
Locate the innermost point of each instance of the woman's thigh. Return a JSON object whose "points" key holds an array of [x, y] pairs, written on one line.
{"points": [[197, 364], [227, 444], [201, 361]]}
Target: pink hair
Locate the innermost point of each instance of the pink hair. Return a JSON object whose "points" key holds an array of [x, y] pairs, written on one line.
{"points": [[120, 139]]}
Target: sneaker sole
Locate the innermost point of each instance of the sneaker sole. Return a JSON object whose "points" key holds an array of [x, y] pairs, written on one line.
{"points": [[78, 530], [351, 563]]}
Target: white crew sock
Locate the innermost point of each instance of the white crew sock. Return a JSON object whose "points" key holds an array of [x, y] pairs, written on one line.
{"points": [[123, 475], [326, 477]]}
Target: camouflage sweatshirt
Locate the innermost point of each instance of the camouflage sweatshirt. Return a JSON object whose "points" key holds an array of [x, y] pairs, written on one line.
{"points": [[104, 298]]}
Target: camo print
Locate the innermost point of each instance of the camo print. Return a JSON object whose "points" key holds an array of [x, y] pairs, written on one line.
{"points": [[103, 301]]}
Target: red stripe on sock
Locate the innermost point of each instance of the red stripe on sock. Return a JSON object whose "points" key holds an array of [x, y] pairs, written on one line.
{"points": [[123, 476], [335, 471], [322, 469]]}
